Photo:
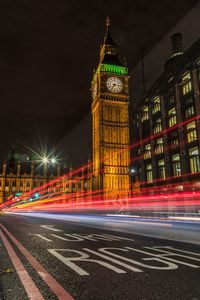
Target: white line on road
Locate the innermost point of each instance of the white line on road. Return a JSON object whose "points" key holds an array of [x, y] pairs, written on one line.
{"points": [[50, 227]]}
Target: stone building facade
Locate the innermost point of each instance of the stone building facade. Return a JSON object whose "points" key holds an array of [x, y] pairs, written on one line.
{"points": [[167, 123]]}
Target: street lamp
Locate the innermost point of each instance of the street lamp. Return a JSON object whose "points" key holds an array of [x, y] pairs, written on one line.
{"points": [[133, 171], [45, 160], [53, 161]]}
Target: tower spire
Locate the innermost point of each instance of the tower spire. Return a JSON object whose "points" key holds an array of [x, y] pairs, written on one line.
{"points": [[108, 40], [108, 22], [109, 51]]}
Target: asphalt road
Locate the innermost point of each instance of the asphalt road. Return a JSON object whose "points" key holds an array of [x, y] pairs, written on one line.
{"points": [[43, 258]]}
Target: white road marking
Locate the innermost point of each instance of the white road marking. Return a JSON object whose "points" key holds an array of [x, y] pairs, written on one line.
{"points": [[50, 227], [163, 255], [168, 253], [113, 260], [86, 237], [84, 257], [119, 237], [170, 266], [172, 248], [106, 253], [75, 239]]}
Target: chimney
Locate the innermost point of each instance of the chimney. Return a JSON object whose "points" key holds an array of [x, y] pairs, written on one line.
{"points": [[176, 44]]}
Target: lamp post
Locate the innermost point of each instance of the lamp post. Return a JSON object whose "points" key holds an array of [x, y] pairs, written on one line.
{"points": [[45, 163], [135, 184]]}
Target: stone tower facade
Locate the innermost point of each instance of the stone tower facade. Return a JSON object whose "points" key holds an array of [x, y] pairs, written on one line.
{"points": [[110, 123]]}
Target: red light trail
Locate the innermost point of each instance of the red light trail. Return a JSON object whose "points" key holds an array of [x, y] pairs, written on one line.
{"points": [[95, 197]]}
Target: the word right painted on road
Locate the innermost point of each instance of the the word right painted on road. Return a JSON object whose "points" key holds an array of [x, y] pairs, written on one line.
{"points": [[162, 258]]}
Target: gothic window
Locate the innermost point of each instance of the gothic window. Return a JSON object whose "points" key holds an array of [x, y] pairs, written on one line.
{"points": [[172, 117], [176, 165], [149, 173], [161, 169], [189, 112], [194, 160], [147, 151], [156, 105], [145, 113], [158, 126], [174, 143], [159, 146], [186, 83], [191, 132]]}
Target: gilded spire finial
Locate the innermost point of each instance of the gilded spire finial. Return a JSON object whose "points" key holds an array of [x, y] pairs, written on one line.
{"points": [[107, 21]]}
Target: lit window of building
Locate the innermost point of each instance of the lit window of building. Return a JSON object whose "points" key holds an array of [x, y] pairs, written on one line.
{"points": [[145, 113], [147, 151], [156, 105], [172, 117], [186, 83], [161, 169], [174, 143], [176, 165], [149, 173], [158, 126], [194, 160], [191, 132], [159, 146], [189, 112]]}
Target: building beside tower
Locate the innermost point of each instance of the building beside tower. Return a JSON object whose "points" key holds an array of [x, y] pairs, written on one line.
{"points": [[110, 123], [19, 176], [167, 124]]}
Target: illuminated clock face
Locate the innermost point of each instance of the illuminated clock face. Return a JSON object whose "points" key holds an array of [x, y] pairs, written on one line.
{"points": [[114, 84], [94, 90]]}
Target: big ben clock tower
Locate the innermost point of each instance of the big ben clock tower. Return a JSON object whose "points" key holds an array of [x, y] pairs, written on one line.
{"points": [[110, 123]]}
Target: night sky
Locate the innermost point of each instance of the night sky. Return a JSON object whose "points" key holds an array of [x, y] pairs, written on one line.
{"points": [[48, 50]]}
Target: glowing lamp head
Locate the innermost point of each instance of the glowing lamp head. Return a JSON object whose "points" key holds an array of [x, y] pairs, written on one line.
{"points": [[53, 160], [45, 160]]}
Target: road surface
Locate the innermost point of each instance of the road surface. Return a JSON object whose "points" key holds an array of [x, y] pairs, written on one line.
{"points": [[48, 258]]}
